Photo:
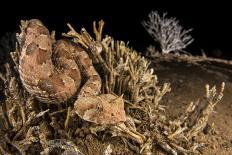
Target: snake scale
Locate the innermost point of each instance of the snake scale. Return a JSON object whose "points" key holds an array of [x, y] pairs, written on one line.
{"points": [[53, 71]]}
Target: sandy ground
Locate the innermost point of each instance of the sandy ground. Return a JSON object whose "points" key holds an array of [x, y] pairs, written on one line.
{"points": [[188, 83]]}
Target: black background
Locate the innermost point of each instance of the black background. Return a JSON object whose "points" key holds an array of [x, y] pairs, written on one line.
{"points": [[211, 22]]}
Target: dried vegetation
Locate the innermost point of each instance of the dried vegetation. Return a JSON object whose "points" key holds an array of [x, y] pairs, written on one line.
{"points": [[30, 127]]}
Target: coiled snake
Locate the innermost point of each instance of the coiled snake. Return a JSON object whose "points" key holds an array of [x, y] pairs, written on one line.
{"points": [[53, 71]]}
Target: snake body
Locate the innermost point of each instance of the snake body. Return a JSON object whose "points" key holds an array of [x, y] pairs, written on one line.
{"points": [[54, 71]]}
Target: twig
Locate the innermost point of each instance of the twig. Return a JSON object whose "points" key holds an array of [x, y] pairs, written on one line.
{"points": [[66, 123], [98, 32]]}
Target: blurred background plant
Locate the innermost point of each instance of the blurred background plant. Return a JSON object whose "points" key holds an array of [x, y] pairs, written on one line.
{"points": [[167, 33]]}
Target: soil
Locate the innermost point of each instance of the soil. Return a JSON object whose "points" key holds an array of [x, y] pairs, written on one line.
{"points": [[188, 78], [188, 81]]}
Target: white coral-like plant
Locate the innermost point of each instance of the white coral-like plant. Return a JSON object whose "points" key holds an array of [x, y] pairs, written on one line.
{"points": [[167, 32]]}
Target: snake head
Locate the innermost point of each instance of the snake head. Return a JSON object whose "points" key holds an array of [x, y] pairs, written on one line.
{"points": [[103, 109]]}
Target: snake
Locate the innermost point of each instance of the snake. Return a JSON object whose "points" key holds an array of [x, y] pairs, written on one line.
{"points": [[53, 71]]}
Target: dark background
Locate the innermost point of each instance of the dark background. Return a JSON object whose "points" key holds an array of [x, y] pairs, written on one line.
{"points": [[211, 22]]}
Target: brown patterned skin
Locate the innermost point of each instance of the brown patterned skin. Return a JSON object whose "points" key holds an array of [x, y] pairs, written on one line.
{"points": [[53, 71], [102, 109]]}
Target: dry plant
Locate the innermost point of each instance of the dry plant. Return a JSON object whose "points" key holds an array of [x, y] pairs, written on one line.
{"points": [[31, 127], [167, 32]]}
